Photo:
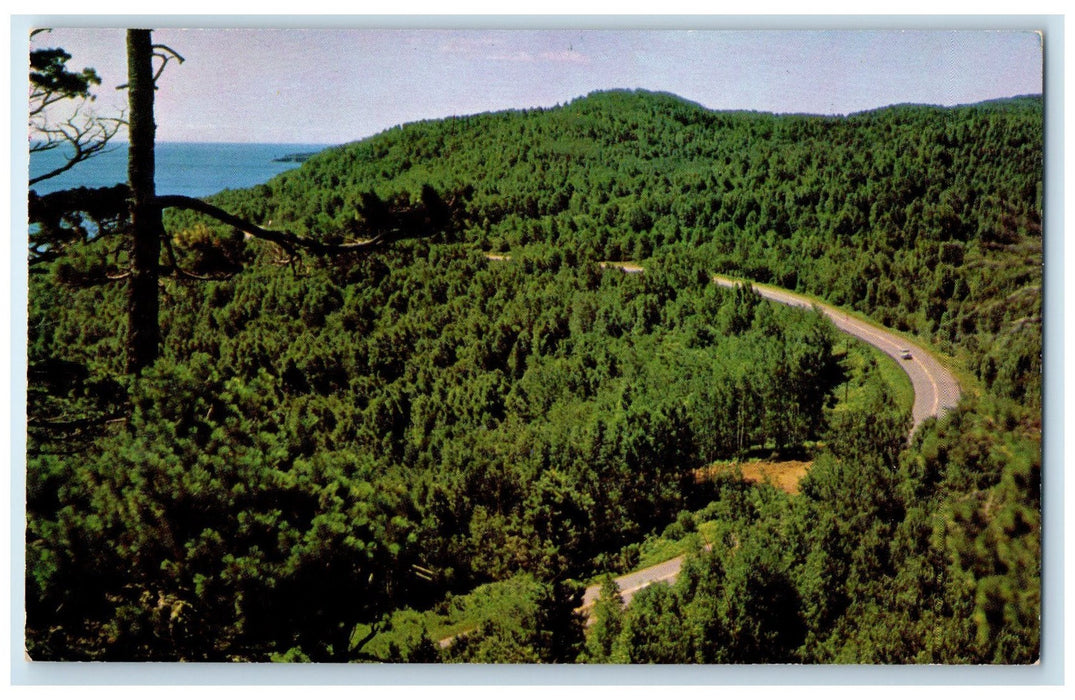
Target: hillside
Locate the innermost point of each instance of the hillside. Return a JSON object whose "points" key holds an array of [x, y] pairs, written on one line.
{"points": [[331, 447], [928, 219]]}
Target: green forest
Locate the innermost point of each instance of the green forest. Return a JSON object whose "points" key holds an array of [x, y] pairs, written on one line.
{"points": [[423, 451]]}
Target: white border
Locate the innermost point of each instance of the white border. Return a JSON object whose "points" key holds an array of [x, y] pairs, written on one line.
{"points": [[13, 296]]}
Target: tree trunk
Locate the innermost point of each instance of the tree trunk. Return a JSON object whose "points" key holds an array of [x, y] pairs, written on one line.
{"points": [[143, 333]]}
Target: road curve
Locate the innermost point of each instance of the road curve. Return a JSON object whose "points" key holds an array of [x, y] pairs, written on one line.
{"points": [[936, 390]]}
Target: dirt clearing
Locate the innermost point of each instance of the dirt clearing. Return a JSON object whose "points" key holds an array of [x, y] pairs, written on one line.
{"points": [[784, 475]]}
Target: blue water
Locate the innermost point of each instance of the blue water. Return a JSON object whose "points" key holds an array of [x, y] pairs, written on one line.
{"points": [[192, 169]]}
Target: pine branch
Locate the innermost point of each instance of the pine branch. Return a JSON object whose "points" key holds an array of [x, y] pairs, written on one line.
{"points": [[285, 239]]}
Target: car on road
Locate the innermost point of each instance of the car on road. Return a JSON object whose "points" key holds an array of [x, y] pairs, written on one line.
{"points": [[905, 354]]}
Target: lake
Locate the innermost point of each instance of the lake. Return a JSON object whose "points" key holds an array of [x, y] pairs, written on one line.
{"points": [[192, 169]]}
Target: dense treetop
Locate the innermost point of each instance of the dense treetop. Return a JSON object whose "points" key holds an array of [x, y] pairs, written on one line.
{"points": [[329, 445], [927, 218]]}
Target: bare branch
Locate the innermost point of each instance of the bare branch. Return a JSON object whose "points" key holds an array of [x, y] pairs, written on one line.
{"points": [[165, 53], [51, 83], [41, 99], [169, 50], [86, 137]]}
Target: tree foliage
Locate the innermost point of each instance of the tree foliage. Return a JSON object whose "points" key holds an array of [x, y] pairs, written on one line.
{"points": [[328, 442]]}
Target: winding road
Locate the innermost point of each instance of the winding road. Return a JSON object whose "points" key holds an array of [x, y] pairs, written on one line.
{"points": [[936, 391]]}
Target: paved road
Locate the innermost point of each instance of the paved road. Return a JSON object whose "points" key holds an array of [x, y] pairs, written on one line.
{"points": [[633, 582], [935, 392], [629, 585]]}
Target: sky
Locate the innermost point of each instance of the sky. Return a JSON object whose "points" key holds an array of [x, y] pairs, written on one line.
{"points": [[338, 85]]}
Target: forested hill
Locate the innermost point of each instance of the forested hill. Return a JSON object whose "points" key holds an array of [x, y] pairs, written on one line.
{"points": [[354, 454], [926, 218]]}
